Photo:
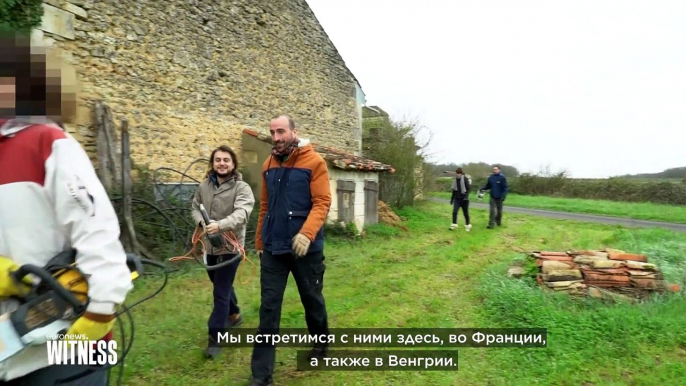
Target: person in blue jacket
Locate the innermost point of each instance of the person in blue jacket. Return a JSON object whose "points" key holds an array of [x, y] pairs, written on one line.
{"points": [[497, 184]]}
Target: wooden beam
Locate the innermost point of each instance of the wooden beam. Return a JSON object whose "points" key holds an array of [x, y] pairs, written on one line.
{"points": [[102, 148], [130, 240], [115, 167], [129, 234]]}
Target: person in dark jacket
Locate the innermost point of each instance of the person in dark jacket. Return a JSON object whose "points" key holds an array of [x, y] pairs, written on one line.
{"points": [[295, 201], [497, 184], [460, 198]]}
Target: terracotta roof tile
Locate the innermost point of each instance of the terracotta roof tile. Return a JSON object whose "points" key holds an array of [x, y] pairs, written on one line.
{"points": [[339, 159], [627, 274]]}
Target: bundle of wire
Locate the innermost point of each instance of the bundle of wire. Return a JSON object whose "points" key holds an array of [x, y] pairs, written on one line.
{"points": [[229, 238]]}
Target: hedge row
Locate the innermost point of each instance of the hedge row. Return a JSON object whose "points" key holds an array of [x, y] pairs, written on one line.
{"points": [[613, 189]]}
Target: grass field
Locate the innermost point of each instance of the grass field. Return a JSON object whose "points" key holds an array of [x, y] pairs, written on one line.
{"points": [[635, 210], [431, 277]]}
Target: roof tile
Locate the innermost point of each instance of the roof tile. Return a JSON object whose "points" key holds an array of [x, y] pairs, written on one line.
{"points": [[339, 159]]}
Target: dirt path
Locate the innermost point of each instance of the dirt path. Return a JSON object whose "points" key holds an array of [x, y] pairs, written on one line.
{"points": [[627, 222]]}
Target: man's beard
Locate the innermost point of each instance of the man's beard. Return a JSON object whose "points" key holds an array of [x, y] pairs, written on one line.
{"points": [[221, 175], [283, 147]]}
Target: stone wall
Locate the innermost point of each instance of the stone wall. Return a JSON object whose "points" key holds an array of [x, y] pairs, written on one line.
{"points": [[190, 75]]}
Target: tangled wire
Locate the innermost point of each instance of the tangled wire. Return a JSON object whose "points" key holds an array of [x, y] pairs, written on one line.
{"points": [[163, 221]]}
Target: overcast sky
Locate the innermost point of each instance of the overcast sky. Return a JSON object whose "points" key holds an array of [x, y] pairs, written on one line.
{"points": [[595, 87]]}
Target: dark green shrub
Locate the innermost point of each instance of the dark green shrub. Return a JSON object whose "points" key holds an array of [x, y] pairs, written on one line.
{"points": [[613, 189], [20, 15]]}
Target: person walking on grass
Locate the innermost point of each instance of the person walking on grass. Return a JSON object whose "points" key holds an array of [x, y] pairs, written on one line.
{"points": [[229, 202], [295, 200], [460, 198], [497, 184]]}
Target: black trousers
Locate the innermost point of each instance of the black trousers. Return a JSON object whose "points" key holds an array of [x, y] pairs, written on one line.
{"points": [[496, 211], [225, 301], [461, 204], [308, 272]]}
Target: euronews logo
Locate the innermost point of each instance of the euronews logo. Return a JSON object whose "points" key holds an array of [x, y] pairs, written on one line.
{"points": [[82, 352]]}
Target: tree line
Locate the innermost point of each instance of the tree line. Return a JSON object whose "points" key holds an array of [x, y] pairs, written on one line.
{"points": [[671, 173]]}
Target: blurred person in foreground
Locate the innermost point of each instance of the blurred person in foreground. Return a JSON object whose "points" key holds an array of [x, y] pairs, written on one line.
{"points": [[51, 200], [229, 202], [497, 184], [295, 201]]}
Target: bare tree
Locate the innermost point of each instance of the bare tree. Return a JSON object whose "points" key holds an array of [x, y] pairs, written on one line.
{"points": [[404, 145]]}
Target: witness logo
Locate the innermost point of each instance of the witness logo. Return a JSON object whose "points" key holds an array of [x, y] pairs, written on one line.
{"points": [[82, 352]]}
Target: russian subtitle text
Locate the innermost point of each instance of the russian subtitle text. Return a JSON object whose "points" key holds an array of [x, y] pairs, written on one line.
{"points": [[393, 337], [380, 360]]}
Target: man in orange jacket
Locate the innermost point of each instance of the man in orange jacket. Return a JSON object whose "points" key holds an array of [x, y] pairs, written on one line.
{"points": [[295, 201]]}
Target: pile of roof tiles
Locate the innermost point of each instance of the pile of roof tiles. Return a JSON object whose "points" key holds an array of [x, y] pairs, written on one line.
{"points": [[595, 272]]}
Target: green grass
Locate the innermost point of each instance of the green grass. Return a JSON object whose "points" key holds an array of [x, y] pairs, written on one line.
{"points": [[431, 277], [634, 210]]}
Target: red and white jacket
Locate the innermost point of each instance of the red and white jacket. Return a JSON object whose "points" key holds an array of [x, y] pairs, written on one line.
{"points": [[50, 200]]}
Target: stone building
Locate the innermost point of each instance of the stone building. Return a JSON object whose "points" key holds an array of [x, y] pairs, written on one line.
{"points": [[189, 75]]}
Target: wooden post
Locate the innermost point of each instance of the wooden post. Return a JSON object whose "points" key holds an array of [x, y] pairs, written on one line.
{"points": [[129, 241], [102, 145], [108, 170], [108, 122], [128, 233]]}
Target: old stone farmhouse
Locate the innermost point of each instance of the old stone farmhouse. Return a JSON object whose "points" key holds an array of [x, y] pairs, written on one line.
{"points": [[190, 75]]}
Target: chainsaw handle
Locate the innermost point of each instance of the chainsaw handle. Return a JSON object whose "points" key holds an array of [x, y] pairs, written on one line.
{"points": [[205, 216], [133, 261], [216, 239], [51, 282]]}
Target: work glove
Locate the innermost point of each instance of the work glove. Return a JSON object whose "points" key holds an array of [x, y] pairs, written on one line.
{"points": [[212, 228], [259, 254], [8, 287], [300, 245], [85, 328]]}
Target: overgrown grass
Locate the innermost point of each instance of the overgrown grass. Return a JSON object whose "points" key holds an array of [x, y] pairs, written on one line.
{"points": [[590, 342], [635, 210], [429, 276]]}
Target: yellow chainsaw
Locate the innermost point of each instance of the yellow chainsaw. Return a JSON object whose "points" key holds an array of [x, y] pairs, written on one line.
{"points": [[52, 305]]}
